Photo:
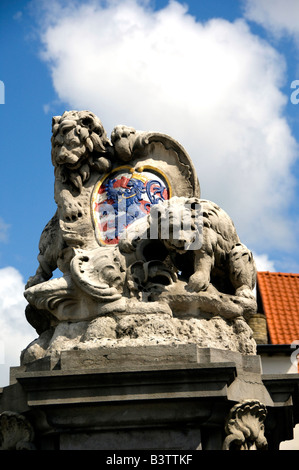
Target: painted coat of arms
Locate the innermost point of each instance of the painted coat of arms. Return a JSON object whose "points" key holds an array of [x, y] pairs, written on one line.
{"points": [[123, 196]]}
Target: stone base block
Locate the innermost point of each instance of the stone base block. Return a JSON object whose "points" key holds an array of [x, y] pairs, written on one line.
{"points": [[148, 398]]}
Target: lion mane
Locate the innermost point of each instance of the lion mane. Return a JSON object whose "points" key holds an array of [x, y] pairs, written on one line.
{"points": [[79, 143]]}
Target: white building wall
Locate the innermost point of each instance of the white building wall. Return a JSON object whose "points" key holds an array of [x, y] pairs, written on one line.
{"points": [[283, 364], [279, 364]]}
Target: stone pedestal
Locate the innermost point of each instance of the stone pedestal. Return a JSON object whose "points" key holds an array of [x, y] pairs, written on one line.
{"points": [[148, 398]]}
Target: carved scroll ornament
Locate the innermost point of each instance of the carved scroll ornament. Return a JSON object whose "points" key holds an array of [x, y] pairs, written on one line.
{"points": [[245, 427], [16, 433]]}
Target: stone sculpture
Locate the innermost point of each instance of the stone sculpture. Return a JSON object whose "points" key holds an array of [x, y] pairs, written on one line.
{"points": [[245, 427], [143, 259]]}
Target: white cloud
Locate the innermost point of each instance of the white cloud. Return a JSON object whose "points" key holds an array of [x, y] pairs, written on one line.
{"points": [[15, 331], [213, 86], [263, 263], [279, 17]]}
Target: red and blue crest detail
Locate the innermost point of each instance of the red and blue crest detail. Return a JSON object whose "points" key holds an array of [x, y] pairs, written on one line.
{"points": [[124, 196]]}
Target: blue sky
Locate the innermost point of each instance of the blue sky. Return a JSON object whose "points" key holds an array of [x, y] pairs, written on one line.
{"points": [[216, 75]]}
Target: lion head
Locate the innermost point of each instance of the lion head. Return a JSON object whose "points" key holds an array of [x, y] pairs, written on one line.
{"points": [[79, 142], [179, 223]]}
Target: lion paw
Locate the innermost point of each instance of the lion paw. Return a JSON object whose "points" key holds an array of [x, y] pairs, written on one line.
{"points": [[34, 280], [198, 282]]}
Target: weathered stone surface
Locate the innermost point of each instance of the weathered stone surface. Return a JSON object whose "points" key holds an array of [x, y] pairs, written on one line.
{"points": [[142, 330], [124, 357]]}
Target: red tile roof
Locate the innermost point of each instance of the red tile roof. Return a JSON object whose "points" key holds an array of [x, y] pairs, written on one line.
{"points": [[279, 294]]}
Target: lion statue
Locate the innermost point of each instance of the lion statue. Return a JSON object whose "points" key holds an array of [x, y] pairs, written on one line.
{"points": [[80, 147], [202, 243], [79, 141], [217, 256]]}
